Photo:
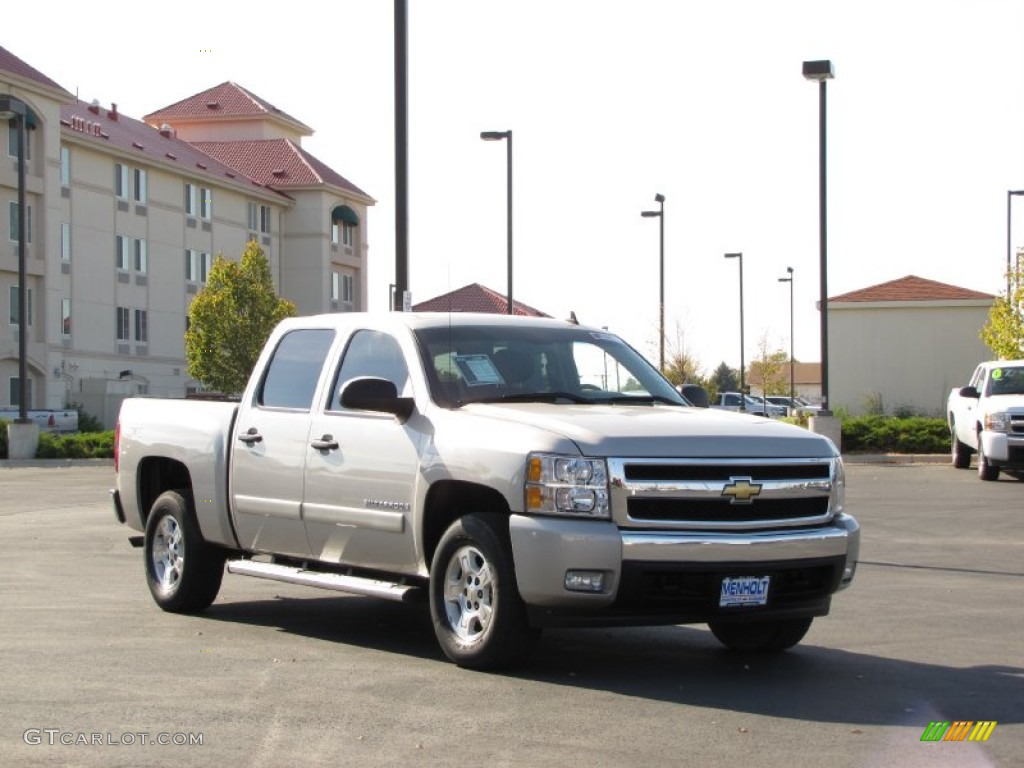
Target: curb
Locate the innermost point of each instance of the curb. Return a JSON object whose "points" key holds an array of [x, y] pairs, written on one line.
{"points": [[896, 458], [54, 463]]}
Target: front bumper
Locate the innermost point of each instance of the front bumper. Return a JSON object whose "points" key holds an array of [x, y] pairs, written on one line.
{"points": [[1005, 450], [675, 577]]}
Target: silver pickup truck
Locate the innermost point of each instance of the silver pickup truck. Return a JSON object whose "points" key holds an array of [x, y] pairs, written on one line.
{"points": [[516, 473]]}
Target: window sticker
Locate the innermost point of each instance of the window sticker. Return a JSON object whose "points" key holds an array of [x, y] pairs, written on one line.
{"points": [[997, 374], [478, 370]]}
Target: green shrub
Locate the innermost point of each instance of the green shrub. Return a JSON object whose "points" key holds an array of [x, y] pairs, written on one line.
{"points": [[86, 421], [882, 434], [82, 445]]}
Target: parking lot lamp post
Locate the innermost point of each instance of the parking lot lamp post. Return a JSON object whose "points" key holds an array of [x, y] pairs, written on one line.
{"points": [[1010, 194], [15, 110], [792, 388], [660, 215], [822, 71], [507, 136], [743, 383]]}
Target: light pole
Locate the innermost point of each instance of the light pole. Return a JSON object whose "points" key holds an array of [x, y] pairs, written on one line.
{"points": [[822, 71], [507, 136], [1010, 194], [16, 110], [743, 382], [660, 215], [792, 388]]}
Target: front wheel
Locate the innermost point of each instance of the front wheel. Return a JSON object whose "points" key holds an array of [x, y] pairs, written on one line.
{"points": [[479, 618], [183, 571], [771, 635], [986, 471]]}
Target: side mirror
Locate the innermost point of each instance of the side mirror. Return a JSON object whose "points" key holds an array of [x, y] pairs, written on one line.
{"points": [[369, 393], [698, 396], [969, 392]]}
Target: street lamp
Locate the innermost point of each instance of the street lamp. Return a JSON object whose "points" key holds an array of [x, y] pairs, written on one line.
{"points": [[822, 71], [743, 383], [507, 136], [792, 388], [1010, 194], [16, 110], [660, 215]]}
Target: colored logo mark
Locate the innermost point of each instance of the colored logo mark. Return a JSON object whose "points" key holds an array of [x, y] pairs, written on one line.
{"points": [[959, 730]]}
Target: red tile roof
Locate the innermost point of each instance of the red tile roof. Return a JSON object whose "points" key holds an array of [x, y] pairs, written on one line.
{"points": [[114, 129], [11, 63], [910, 288], [225, 100], [278, 163], [476, 298]]}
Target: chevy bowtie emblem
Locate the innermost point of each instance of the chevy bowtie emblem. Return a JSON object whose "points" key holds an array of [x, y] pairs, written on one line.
{"points": [[741, 490]]}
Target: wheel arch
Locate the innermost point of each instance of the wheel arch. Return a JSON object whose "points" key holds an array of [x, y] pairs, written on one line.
{"points": [[447, 501], [155, 475]]}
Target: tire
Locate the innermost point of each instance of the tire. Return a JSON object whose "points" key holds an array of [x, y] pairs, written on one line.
{"points": [[986, 471], [183, 571], [479, 618], [765, 636], [961, 454]]}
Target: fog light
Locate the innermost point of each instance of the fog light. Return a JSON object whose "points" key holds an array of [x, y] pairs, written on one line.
{"points": [[848, 573], [584, 581]]}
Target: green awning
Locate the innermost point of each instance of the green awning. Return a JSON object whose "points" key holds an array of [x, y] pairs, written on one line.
{"points": [[346, 214]]}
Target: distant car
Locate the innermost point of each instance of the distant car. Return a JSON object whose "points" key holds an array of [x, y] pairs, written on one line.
{"points": [[793, 405], [730, 401]]}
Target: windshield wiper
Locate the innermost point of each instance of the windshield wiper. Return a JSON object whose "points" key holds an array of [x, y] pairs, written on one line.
{"points": [[535, 397]]}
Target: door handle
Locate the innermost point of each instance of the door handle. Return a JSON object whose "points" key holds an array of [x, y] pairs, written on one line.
{"points": [[325, 443], [251, 436]]}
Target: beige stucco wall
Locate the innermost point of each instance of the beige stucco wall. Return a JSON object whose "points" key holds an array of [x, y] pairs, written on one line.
{"points": [[235, 130], [910, 353]]}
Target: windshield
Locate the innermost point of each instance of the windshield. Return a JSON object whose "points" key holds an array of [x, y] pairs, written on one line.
{"points": [[501, 363], [1006, 381]]}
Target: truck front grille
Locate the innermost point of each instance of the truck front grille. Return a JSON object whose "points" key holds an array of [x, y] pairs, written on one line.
{"points": [[721, 494]]}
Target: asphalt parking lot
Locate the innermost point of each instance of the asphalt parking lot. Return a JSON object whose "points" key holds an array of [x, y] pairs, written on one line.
{"points": [[274, 675]]}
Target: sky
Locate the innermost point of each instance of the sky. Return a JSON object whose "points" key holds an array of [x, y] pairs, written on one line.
{"points": [[609, 103]]}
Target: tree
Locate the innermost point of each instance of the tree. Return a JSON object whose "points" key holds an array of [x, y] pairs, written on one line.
{"points": [[680, 367], [230, 320], [724, 379], [1004, 331], [770, 369]]}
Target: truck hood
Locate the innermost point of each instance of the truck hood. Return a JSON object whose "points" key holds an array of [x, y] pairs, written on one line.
{"points": [[662, 430]]}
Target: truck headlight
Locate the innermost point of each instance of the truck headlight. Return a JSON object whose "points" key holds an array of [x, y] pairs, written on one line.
{"points": [[997, 422], [837, 498], [571, 486]]}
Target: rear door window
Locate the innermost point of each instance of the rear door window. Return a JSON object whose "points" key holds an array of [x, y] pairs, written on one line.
{"points": [[293, 372]]}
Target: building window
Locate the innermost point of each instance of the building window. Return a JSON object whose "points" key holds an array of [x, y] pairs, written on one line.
{"points": [[65, 241], [14, 223], [65, 317], [121, 181], [13, 294], [140, 256], [12, 141], [121, 253], [197, 266], [348, 233], [334, 286], [348, 289], [205, 203], [15, 392], [251, 216], [140, 186], [65, 167], [190, 200], [265, 219], [334, 234], [122, 323], [141, 325]]}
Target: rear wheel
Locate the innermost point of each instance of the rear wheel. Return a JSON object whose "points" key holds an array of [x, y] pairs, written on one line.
{"points": [[183, 571], [771, 635], [986, 471], [961, 454], [479, 619]]}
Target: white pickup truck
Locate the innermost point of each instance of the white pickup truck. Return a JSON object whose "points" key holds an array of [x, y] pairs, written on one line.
{"points": [[987, 417], [516, 473]]}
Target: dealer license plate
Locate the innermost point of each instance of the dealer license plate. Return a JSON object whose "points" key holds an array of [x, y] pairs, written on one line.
{"points": [[744, 590]]}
